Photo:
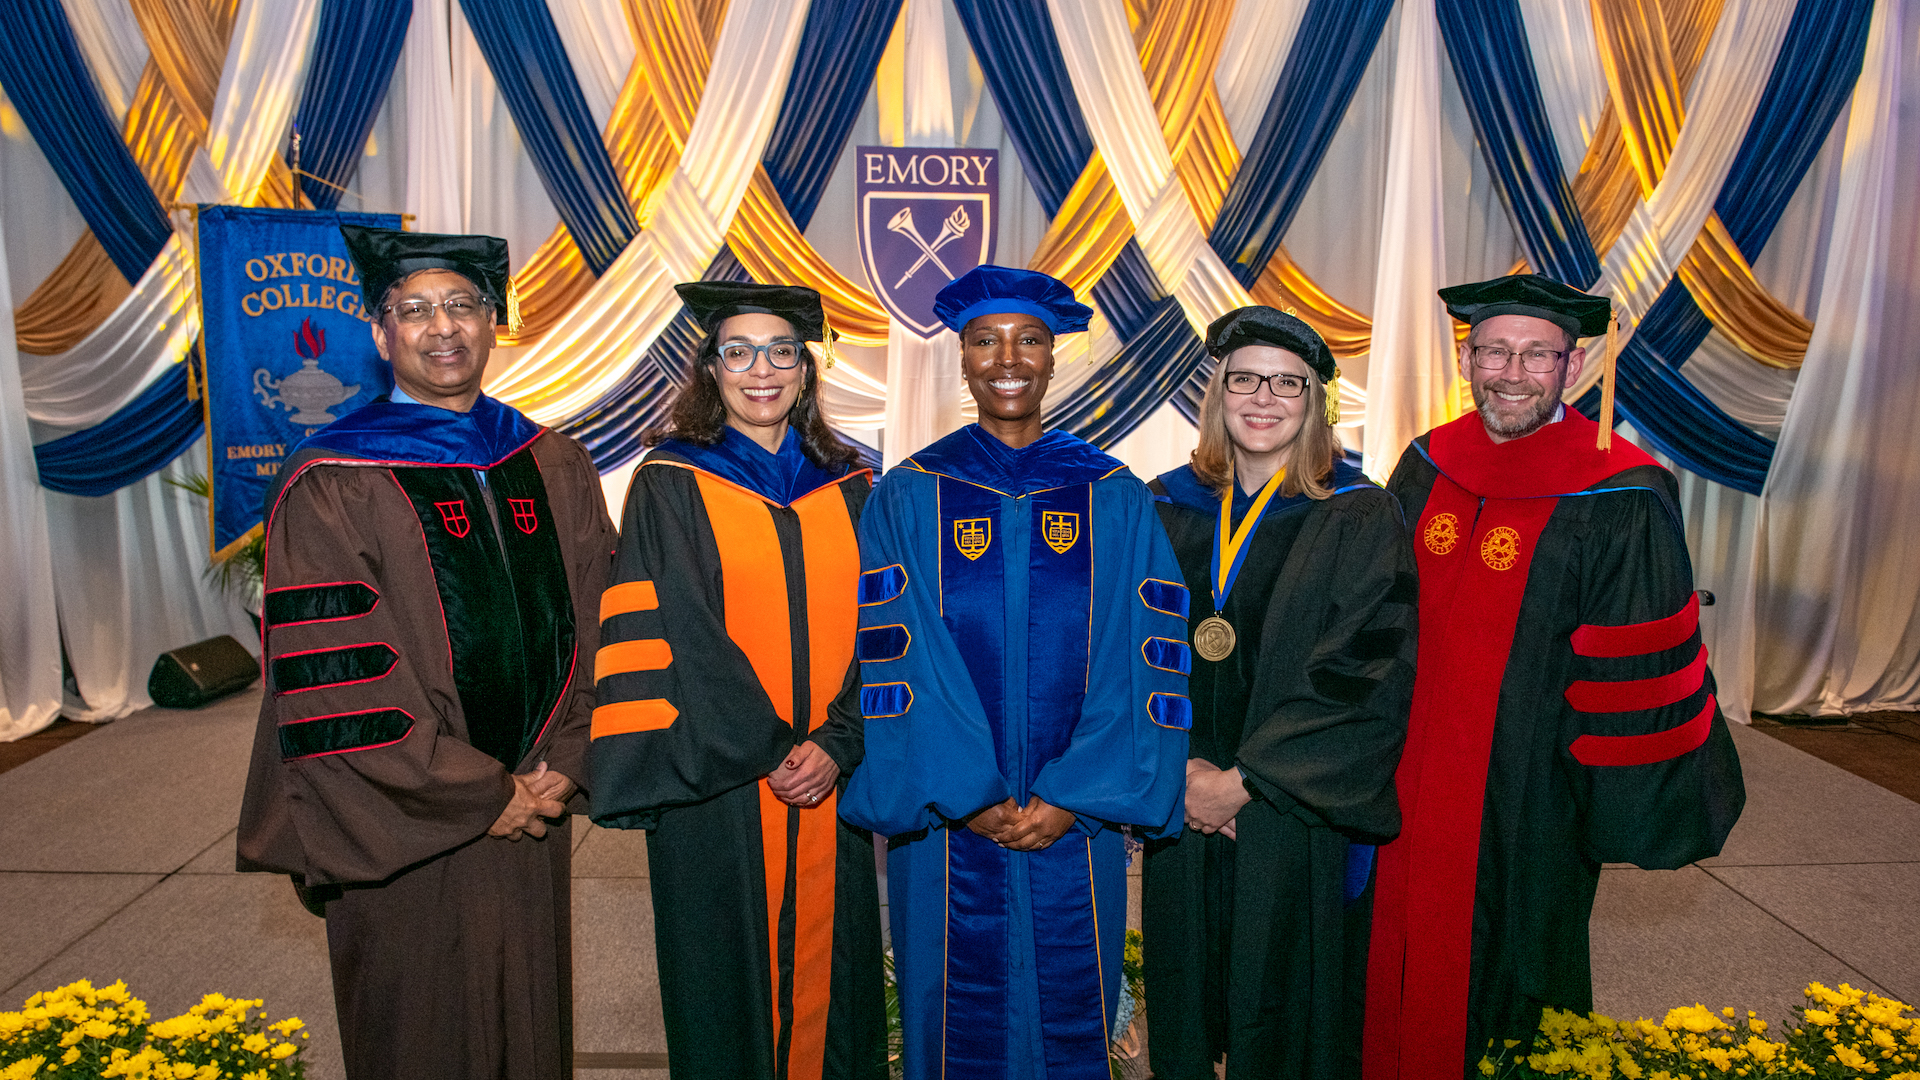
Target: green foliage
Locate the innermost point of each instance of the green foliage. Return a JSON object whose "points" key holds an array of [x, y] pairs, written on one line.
{"points": [[242, 573]]}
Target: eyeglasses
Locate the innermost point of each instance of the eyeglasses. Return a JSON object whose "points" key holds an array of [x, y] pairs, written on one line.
{"points": [[1495, 358], [464, 309], [739, 356], [1281, 385]]}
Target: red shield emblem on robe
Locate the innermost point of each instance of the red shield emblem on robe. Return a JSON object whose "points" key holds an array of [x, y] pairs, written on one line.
{"points": [[454, 516], [523, 518]]}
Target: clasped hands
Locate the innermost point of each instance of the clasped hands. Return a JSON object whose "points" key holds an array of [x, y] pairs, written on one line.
{"points": [[537, 795], [805, 777], [1214, 797], [1022, 828]]}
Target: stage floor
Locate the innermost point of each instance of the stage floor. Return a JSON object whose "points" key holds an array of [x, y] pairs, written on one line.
{"points": [[116, 862]]}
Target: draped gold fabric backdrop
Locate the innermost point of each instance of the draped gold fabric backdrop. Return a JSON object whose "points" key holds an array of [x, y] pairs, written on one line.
{"points": [[1649, 50], [165, 124]]}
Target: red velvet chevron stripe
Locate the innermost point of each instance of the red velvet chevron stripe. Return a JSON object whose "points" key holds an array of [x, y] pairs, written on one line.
{"points": [[1645, 749], [1636, 639], [1634, 694]]}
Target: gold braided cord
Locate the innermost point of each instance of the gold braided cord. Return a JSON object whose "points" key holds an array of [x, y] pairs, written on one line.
{"points": [[1650, 51]]}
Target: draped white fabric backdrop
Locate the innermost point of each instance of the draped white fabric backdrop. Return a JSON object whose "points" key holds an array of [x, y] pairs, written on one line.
{"points": [[1817, 593]]}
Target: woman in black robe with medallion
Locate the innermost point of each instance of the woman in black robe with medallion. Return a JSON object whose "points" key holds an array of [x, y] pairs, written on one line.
{"points": [[727, 644], [1256, 917]]}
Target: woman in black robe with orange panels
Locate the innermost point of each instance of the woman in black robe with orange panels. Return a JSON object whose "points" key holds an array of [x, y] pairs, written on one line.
{"points": [[727, 637], [1256, 917]]}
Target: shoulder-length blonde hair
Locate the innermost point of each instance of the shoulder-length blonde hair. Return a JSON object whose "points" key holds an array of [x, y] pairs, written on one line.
{"points": [[1309, 460]]}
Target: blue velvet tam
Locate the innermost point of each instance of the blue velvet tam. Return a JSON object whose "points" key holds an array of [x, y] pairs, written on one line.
{"points": [[997, 290]]}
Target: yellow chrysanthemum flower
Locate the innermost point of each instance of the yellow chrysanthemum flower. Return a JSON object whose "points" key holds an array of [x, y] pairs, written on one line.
{"points": [[1854, 1059], [283, 1051], [23, 1069], [1695, 1018], [1820, 1016]]}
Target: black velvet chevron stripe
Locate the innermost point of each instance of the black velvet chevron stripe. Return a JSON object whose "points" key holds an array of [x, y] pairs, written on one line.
{"points": [[328, 667], [319, 603], [348, 731]]}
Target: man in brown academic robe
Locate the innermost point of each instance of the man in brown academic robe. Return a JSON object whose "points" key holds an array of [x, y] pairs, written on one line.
{"points": [[434, 566]]}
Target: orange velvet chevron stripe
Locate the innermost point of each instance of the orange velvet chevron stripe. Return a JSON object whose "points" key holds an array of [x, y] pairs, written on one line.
{"points": [[620, 657], [628, 596]]}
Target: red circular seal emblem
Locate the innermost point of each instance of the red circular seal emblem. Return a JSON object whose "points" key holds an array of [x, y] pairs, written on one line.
{"points": [[1501, 548], [1441, 534]]}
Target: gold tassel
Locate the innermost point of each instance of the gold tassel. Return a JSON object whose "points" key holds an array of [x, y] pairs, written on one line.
{"points": [[1604, 439], [1333, 399], [514, 322], [826, 342]]}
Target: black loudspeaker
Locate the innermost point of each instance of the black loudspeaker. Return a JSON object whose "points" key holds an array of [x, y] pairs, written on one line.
{"points": [[192, 675]]}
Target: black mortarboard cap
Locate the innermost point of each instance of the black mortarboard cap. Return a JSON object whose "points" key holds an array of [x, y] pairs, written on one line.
{"points": [[1534, 295], [385, 256], [1260, 325], [714, 302], [999, 290]]}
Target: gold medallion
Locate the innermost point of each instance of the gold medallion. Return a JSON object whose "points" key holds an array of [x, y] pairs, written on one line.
{"points": [[1213, 639]]}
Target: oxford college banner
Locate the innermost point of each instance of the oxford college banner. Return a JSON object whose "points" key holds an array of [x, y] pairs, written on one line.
{"points": [[287, 346]]}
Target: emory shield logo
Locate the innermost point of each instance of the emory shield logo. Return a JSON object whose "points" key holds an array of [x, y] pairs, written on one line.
{"points": [[972, 535], [523, 518], [454, 516], [1061, 528], [926, 216]]}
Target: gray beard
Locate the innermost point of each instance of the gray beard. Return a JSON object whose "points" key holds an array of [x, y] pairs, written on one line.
{"points": [[1526, 423]]}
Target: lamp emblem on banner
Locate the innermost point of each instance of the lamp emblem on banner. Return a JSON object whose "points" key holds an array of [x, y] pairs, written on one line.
{"points": [[270, 279], [309, 392], [926, 216]]}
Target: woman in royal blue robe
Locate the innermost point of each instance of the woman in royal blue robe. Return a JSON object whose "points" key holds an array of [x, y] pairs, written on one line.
{"points": [[1023, 667]]}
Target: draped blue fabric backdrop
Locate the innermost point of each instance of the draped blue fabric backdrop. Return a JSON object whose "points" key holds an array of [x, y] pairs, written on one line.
{"points": [[1811, 79], [1162, 358], [48, 82], [840, 46], [530, 65], [148, 432], [354, 50], [1491, 61], [1330, 53]]}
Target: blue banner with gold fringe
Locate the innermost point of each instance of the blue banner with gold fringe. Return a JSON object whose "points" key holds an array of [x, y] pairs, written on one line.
{"points": [[287, 346]]}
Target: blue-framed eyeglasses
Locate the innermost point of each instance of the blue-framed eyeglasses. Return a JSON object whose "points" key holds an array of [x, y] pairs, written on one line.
{"points": [[782, 353]]}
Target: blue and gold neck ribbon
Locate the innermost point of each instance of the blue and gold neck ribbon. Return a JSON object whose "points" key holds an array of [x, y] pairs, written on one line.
{"points": [[1230, 544]]}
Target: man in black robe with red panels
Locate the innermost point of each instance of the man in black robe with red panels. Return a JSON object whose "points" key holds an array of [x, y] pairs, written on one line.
{"points": [[1563, 714]]}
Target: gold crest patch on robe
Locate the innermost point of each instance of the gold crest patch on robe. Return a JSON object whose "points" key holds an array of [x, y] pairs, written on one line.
{"points": [[972, 535], [1061, 528]]}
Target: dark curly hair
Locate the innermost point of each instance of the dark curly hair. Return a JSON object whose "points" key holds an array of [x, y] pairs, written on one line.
{"points": [[698, 414]]}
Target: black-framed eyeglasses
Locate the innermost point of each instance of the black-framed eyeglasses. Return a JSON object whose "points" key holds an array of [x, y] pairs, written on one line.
{"points": [[464, 309], [1495, 358], [1280, 385], [739, 356]]}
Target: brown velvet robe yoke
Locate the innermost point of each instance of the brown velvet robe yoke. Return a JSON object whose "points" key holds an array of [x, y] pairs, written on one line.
{"points": [[450, 948]]}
